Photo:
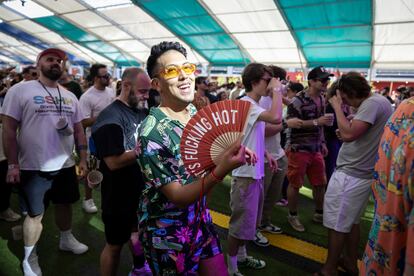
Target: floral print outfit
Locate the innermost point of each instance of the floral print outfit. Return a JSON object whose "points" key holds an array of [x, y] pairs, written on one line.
{"points": [[174, 239], [391, 239]]}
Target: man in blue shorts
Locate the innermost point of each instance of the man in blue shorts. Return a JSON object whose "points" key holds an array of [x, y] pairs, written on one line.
{"points": [[42, 123]]}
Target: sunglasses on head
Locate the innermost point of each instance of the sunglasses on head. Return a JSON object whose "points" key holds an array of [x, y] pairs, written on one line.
{"points": [[173, 71]]}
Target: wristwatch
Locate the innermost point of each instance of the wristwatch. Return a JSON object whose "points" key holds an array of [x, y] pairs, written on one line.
{"points": [[315, 123]]}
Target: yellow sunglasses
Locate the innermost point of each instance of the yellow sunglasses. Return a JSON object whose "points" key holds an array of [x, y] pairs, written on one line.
{"points": [[173, 71]]}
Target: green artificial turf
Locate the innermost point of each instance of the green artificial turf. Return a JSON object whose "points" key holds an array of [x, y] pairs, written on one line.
{"points": [[89, 229]]}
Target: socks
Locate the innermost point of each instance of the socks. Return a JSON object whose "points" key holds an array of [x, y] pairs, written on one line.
{"points": [[242, 253], [27, 252], [65, 234], [232, 264]]}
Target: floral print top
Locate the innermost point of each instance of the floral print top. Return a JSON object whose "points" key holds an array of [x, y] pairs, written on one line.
{"points": [[161, 164], [391, 239]]}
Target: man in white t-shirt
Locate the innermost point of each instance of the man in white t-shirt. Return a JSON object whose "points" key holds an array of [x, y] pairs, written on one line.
{"points": [[246, 196], [92, 102], [42, 123]]}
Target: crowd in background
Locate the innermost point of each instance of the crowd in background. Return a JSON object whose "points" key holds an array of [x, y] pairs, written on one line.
{"points": [[296, 129]]}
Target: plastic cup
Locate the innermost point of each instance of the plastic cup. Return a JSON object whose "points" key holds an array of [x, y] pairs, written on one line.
{"points": [[63, 127], [94, 179], [331, 117]]}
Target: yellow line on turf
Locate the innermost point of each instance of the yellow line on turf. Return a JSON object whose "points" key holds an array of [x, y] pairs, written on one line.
{"points": [[288, 243]]}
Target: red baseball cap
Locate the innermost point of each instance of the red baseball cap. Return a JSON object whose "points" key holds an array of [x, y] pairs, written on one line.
{"points": [[51, 51]]}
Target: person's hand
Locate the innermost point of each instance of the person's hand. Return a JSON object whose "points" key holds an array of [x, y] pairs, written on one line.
{"points": [[338, 134], [336, 101], [294, 123], [272, 163], [324, 150], [324, 121], [83, 168], [275, 86], [232, 158], [13, 175], [251, 157]]}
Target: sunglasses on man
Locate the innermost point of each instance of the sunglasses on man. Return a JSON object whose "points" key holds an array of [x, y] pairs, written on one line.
{"points": [[324, 80], [173, 71], [106, 76]]}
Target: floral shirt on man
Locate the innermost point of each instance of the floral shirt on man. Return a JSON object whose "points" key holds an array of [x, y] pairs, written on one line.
{"points": [[177, 233], [390, 245]]}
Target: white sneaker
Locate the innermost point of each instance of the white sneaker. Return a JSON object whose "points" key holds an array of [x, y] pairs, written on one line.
{"points": [[295, 223], [260, 240], [89, 206], [9, 215], [30, 269], [34, 263], [70, 243]]}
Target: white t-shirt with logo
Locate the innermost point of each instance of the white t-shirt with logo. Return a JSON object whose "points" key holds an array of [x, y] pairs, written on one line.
{"points": [[254, 140], [40, 145], [272, 143], [93, 101]]}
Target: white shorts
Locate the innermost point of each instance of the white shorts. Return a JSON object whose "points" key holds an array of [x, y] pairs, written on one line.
{"points": [[345, 201]]}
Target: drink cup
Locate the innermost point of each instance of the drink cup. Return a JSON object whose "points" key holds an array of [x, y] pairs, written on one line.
{"points": [[17, 232], [331, 118], [94, 179], [63, 127]]}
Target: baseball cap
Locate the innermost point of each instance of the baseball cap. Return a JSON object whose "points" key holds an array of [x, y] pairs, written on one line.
{"points": [[319, 73], [54, 51]]}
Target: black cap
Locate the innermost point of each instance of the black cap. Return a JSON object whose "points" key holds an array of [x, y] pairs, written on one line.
{"points": [[319, 73]]}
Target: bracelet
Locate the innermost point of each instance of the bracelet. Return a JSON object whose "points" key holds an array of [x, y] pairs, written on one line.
{"points": [[13, 166], [82, 147], [216, 178]]}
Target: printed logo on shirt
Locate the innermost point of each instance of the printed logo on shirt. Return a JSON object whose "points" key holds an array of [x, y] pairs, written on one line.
{"points": [[46, 105]]}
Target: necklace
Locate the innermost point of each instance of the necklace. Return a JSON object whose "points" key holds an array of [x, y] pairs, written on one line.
{"points": [[53, 99]]}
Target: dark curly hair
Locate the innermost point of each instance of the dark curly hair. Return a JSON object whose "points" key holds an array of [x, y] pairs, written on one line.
{"points": [[158, 50], [94, 71]]}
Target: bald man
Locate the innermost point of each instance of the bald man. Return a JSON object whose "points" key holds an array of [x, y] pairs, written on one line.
{"points": [[115, 135]]}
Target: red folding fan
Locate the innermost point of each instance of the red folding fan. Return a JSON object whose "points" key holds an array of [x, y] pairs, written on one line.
{"points": [[210, 132]]}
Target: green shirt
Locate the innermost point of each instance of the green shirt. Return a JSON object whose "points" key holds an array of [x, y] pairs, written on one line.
{"points": [[161, 164]]}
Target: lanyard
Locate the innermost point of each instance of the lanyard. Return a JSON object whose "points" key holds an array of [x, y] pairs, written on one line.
{"points": [[53, 99]]}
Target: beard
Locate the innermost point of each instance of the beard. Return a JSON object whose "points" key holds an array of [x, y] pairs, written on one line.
{"points": [[132, 100], [54, 73]]}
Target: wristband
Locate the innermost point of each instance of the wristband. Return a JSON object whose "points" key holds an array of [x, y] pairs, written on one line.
{"points": [[13, 166], [216, 178], [315, 123]]}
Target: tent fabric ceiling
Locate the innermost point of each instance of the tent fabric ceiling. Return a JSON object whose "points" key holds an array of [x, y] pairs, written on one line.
{"points": [[290, 33]]}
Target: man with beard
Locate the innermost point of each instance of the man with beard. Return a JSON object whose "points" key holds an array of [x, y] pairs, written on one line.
{"points": [[115, 135], [42, 123], [92, 102]]}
